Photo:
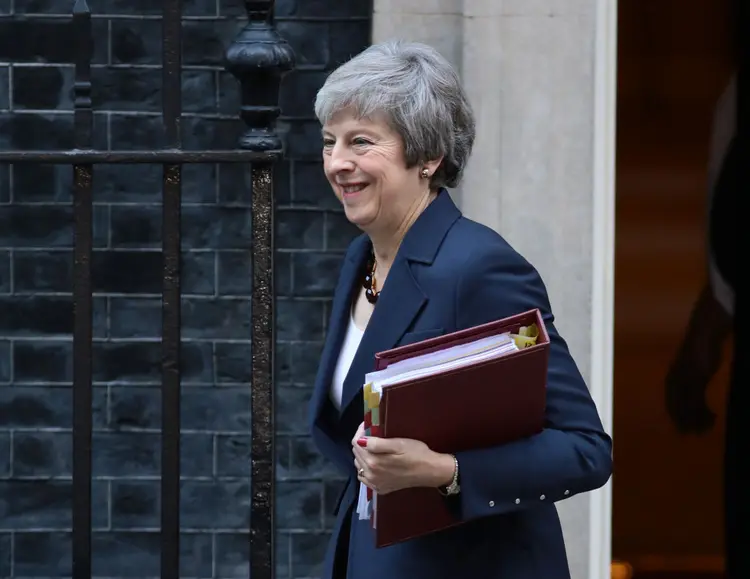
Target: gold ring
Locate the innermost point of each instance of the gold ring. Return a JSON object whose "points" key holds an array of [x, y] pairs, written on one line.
{"points": [[361, 472]]}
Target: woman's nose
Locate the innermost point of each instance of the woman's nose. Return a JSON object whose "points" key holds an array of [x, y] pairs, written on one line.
{"points": [[340, 159]]}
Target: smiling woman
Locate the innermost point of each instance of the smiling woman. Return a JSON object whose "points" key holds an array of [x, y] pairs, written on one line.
{"points": [[397, 131]]}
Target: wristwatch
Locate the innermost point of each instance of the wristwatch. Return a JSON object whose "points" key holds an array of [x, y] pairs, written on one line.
{"points": [[453, 488]]}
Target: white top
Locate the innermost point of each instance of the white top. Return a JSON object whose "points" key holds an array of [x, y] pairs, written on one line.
{"points": [[346, 356], [723, 130]]}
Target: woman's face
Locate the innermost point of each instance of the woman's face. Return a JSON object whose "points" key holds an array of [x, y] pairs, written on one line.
{"points": [[364, 161]]}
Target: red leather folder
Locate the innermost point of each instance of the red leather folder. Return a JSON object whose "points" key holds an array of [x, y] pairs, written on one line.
{"points": [[488, 404]]}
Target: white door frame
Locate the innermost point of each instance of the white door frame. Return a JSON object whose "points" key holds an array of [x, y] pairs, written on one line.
{"points": [[602, 302]]}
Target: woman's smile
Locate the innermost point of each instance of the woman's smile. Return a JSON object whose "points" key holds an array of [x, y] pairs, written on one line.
{"points": [[352, 190]]}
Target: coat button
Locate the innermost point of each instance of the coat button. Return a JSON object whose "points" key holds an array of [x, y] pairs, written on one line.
{"points": [[566, 493], [518, 501], [542, 498], [492, 503]]}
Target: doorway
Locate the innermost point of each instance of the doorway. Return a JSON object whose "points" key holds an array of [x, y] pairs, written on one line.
{"points": [[673, 64]]}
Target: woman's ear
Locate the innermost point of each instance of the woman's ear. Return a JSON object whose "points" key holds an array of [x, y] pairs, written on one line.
{"points": [[433, 165]]}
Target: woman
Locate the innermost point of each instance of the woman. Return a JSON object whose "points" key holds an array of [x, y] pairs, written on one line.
{"points": [[398, 130]]}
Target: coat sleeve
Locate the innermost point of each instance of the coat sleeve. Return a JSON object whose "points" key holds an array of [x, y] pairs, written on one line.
{"points": [[572, 454]]}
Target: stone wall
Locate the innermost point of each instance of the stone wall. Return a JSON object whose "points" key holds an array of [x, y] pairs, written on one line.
{"points": [[36, 240]]}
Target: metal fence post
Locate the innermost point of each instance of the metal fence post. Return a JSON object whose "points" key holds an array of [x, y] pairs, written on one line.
{"points": [[258, 58]]}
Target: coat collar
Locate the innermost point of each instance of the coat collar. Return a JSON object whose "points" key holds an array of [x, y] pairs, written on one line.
{"points": [[401, 300]]}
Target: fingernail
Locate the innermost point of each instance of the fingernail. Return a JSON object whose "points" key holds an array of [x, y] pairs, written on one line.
{"points": [[362, 442]]}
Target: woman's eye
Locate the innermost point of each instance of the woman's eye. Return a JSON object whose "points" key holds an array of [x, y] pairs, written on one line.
{"points": [[328, 142], [360, 141]]}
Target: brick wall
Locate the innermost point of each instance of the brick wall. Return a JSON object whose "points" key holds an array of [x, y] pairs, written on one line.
{"points": [[35, 285]]}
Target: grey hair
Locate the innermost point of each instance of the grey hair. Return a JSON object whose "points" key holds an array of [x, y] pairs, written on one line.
{"points": [[420, 94]]}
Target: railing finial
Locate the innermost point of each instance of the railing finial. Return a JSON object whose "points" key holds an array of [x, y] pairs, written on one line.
{"points": [[258, 58]]}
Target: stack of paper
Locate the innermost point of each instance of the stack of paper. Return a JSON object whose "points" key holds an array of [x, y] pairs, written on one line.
{"points": [[429, 364]]}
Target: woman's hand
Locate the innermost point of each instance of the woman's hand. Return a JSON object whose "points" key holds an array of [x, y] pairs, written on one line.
{"points": [[390, 464]]}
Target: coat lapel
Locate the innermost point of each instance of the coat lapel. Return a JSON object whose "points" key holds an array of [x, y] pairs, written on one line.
{"points": [[400, 302], [340, 312], [401, 299]]}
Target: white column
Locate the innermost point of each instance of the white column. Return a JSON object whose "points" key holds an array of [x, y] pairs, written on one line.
{"points": [[541, 77]]}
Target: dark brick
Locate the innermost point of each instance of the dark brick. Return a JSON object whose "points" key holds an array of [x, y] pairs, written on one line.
{"points": [[124, 554], [291, 409], [299, 320], [5, 278], [311, 188], [233, 362], [5, 363], [43, 454], [42, 87], [352, 37], [234, 273], [299, 505], [131, 132], [300, 101], [136, 41], [35, 407], [211, 133], [222, 319], [5, 545], [324, 9], [35, 504], [45, 226], [46, 40], [297, 229], [4, 183], [283, 274], [41, 315], [206, 45], [136, 504], [138, 454], [36, 316], [5, 453], [225, 409], [135, 318], [4, 85], [233, 555], [113, 89], [283, 363], [215, 505], [203, 227], [116, 7], [5, 6], [112, 271], [309, 40], [304, 141], [57, 367], [144, 184], [308, 553], [235, 185], [217, 409], [45, 407], [339, 232], [35, 253], [233, 456], [44, 183], [306, 462], [140, 362], [315, 274]]}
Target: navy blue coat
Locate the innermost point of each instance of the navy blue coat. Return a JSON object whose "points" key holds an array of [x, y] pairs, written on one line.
{"points": [[452, 273]]}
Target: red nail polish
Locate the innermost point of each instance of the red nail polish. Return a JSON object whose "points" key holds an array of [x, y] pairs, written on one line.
{"points": [[362, 442]]}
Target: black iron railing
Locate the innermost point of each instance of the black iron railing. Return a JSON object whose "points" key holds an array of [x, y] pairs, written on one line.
{"points": [[258, 58]]}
